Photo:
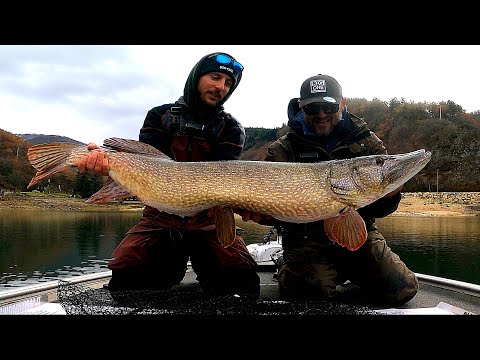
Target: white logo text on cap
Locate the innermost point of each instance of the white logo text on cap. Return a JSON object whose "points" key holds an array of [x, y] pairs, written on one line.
{"points": [[225, 68], [317, 86]]}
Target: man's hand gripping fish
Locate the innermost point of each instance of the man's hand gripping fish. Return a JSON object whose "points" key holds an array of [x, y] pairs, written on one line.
{"points": [[292, 192]]}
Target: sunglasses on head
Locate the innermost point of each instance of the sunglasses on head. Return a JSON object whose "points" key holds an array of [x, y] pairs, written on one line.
{"points": [[314, 108], [227, 60]]}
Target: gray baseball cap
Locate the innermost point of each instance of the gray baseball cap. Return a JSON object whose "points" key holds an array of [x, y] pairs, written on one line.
{"points": [[322, 89]]}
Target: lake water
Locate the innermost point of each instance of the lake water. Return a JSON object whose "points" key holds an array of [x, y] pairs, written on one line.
{"points": [[38, 246]]}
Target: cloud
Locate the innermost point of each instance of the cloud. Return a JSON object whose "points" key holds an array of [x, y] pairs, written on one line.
{"points": [[91, 92]]}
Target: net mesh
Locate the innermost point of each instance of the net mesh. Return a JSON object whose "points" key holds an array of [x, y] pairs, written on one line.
{"points": [[188, 300]]}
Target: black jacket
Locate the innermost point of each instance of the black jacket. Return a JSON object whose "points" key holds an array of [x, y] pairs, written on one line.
{"points": [[200, 133]]}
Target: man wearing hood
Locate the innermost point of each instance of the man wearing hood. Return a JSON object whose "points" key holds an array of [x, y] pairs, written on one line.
{"points": [[322, 129], [154, 253]]}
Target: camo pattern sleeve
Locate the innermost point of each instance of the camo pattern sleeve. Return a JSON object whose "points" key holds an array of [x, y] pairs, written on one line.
{"points": [[278, 151]]}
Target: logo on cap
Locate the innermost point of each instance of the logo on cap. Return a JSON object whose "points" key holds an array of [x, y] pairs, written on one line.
{"points": [[329, 99], [225, 68], [317, 86]]}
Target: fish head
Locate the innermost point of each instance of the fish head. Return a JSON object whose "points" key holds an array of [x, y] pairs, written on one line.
{"points": [[362, 180]]}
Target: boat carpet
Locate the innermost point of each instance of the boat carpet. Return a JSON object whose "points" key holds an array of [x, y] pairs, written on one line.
{"points": [[188, 299]]}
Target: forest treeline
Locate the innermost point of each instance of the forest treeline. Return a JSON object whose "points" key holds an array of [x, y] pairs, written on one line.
{"points": [[445, 129]]}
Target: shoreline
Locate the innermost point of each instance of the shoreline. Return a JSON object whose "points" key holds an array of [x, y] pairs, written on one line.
{"points": [[412, 204], [439, 204]]}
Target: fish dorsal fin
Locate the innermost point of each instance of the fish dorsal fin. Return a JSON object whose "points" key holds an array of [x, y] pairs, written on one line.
{"points": [[347, 229], [225, 224], [133, 146], [110, 191]]}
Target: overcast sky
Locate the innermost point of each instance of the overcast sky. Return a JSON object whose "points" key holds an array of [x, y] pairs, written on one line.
{"points": [[92, 92]]}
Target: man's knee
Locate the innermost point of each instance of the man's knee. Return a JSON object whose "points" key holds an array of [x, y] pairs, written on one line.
{"points": [[383, 273], [393, 286], [307, 281], [402, 288]]}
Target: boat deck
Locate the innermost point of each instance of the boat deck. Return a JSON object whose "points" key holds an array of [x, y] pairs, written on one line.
{"points": [[436, 296]]}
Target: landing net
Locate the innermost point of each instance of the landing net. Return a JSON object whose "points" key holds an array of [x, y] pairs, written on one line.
{"points": [[188, 300]]}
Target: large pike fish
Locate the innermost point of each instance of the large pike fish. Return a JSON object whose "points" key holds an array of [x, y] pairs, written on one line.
{"points": [[292, 192]]}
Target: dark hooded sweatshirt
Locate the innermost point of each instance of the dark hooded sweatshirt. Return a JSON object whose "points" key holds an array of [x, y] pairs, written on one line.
{"points": [[198, 133], [350, 138], [201, 132]]}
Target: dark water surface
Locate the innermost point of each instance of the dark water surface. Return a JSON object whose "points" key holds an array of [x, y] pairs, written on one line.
{"points": [[441, 246], [38, 245]]}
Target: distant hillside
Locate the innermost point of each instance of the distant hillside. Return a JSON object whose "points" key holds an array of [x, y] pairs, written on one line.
{"points": [[15, 170], [42, 139], [258, 140], [452, 136]]}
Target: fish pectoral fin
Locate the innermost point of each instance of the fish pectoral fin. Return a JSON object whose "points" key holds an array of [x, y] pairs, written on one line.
{"points": [[347, 229], [225, 224], [110, 191]]}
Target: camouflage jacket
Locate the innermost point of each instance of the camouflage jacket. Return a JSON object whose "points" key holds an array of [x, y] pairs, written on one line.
{"points": [[352, 139]]}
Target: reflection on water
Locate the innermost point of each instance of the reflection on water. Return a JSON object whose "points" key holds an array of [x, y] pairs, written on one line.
{"points": [[38, 245], [441, 246]]}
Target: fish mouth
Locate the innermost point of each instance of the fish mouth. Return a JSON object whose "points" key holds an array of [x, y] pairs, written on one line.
{"points": [[403, 167]]}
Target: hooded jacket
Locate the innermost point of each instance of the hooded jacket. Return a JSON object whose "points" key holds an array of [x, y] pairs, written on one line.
{"points": [[190, 130], [201, 132], [350, 138]]}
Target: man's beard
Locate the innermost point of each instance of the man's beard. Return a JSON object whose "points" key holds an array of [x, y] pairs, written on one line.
{"points": [[328, 131]]}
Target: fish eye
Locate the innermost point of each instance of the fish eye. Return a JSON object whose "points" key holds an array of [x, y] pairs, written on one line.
{"points": [[379, 161]]}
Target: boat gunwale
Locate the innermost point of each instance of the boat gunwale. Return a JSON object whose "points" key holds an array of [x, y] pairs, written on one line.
{"points": [[37, 289], [450, 284]]}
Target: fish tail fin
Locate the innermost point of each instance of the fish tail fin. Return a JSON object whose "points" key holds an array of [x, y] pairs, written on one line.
{"points": [[225, 225], [49, 159], [347, 229]]}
